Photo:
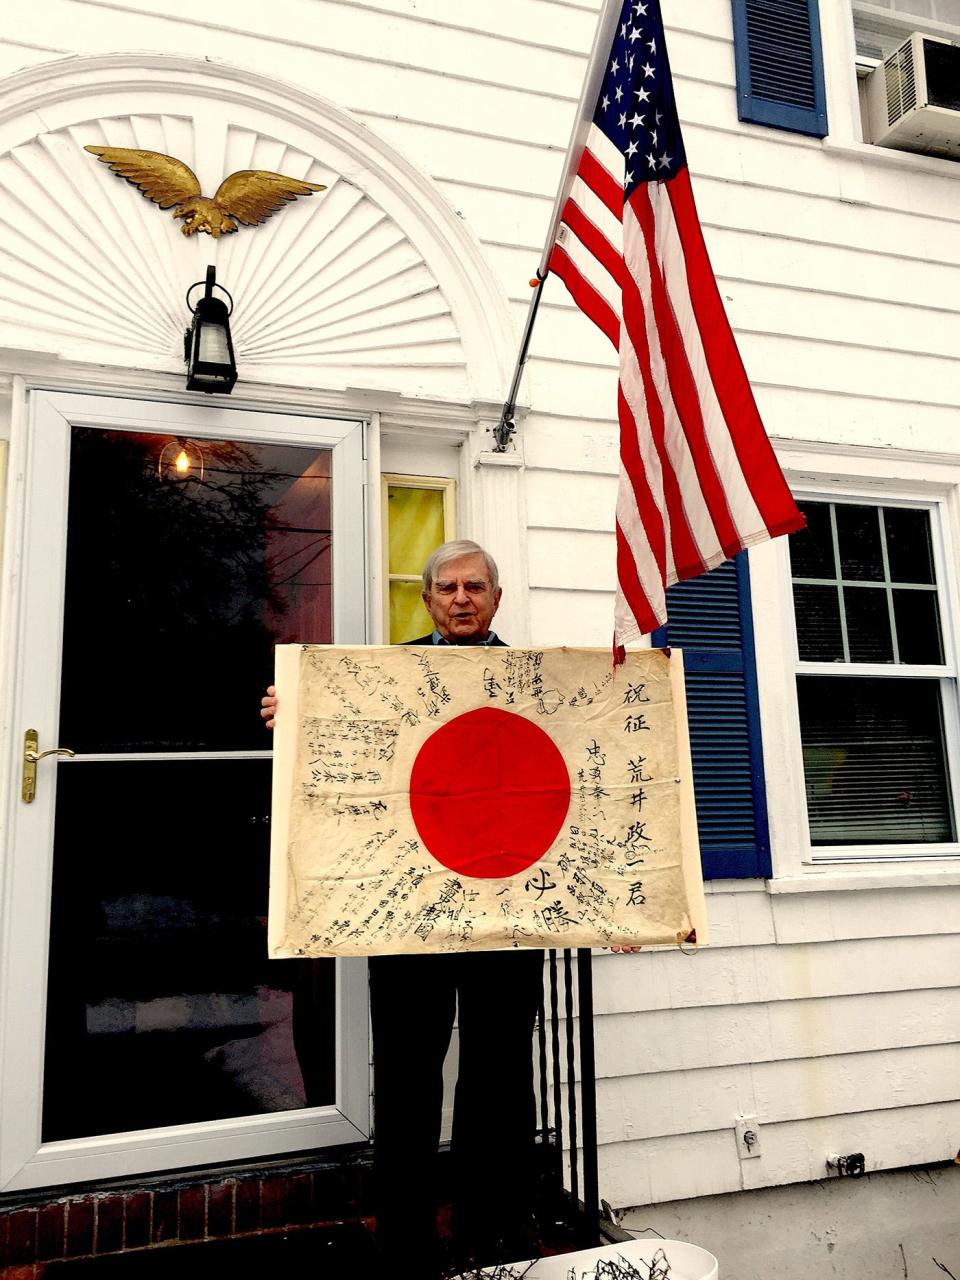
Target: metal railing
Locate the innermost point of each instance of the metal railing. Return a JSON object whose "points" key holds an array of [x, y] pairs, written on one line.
{"points": [[568, 1107]]}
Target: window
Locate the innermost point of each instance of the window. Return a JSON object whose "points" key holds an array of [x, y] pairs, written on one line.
{"points": [[876, 680], [780, 65], [419, 516]]}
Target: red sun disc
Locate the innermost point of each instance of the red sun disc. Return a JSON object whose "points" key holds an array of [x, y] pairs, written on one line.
{"points": [[489, 791]]}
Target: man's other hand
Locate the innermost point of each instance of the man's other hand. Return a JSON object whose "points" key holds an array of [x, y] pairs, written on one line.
{"points": [[269, 705]]}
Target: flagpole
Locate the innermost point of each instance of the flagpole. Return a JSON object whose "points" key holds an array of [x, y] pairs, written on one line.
{"points": [[606, 25]]}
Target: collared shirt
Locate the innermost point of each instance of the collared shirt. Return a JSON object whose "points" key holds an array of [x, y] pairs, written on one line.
{"points": [[489, 638]]}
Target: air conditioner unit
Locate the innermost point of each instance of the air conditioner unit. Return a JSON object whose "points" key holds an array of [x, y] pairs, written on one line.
{"points": [[913, 98]]}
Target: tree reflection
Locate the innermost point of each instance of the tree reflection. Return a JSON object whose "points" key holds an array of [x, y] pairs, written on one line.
{"points": [[178, 588]]}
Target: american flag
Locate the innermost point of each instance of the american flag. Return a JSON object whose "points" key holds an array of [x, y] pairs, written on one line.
{"points": [[698, 478]]}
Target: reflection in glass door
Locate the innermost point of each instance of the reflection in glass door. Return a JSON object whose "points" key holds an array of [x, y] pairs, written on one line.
{"points": [[187, 560]]}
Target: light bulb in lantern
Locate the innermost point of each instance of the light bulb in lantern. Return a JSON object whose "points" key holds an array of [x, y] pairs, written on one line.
{"points": [[180, 460]]}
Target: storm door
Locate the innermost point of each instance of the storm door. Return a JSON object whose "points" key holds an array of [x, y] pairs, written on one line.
{"points": [[167, 549]]}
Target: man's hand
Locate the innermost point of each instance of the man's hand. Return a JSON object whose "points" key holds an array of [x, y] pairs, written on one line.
{"points": [[269, 705], [622, 951]]}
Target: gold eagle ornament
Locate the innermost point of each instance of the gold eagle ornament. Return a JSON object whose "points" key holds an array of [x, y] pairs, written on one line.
{"points": [[249, 196]]}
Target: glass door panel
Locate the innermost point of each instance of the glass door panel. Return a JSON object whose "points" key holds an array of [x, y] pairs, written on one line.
{"points": [[179, 585], [187, 561], [162, 1006]]}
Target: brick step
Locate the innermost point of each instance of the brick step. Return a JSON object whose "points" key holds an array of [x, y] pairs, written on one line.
{"points": [[334, 1250]]}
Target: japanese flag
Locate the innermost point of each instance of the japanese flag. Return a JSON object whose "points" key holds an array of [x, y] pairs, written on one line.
{"points": [[442, 798]]}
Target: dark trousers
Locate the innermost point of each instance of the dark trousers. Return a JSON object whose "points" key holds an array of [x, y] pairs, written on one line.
{"points": [[413, 1000]]}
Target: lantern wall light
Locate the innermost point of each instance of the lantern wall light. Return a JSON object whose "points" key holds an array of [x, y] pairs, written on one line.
{"points": [[207, 345]]}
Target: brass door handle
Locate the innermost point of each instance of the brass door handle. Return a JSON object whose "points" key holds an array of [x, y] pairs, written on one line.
{"points": [[31, 756]]}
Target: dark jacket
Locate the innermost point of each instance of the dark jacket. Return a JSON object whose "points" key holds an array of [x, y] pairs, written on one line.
{"points": [[429, 640]]}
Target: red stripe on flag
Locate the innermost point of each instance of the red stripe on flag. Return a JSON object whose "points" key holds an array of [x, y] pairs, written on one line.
{"points": [[590, 235], [590, 302], [650, 515], [754, 451], [683, 387], [601, 183], [633, 592], [686, 553]]}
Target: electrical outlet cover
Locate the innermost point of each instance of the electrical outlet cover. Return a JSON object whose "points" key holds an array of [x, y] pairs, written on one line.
{"points": [[748, 1137]]}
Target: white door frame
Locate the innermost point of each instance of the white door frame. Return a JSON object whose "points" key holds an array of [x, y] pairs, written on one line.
{"points": [[35, 563]]}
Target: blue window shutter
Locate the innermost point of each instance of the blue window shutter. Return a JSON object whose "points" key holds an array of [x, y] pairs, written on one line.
{"points": [[780, 64], [711, 621]]}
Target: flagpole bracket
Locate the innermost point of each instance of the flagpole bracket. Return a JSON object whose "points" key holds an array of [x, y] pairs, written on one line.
{"points": [[504, 429]]}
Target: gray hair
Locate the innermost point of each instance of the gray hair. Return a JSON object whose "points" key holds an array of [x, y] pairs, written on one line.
{"points": [[453, 551]]}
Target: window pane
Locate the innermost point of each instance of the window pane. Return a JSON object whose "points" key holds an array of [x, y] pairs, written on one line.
{"points": [[918, 626], [162, 1005], [818, 623], [858, 536], [811, 550], [415, 524], [909, 549], [868, 624], [179, 587], [874, 760], [408, 618]]}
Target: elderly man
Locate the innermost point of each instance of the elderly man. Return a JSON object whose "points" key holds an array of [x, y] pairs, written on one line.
{"points": [[413, 1003]]}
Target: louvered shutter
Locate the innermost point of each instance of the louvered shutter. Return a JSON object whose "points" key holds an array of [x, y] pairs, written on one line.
{"points": [[710, 620], [780, 64]]}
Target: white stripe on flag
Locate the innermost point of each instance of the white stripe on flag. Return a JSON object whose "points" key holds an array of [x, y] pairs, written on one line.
{"points": [[695, 508], [592, 270], [743, 509], [631, 383], [603, 150], [634, 530], [592, 207]]}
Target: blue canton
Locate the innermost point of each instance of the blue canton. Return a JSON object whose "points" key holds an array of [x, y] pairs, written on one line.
{"points": [[636, 108]]}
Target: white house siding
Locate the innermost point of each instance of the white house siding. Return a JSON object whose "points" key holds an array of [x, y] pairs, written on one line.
{"points": [[830, 1016]]}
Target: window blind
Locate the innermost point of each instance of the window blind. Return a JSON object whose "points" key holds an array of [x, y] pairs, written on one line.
{"points": [[874, 761]]}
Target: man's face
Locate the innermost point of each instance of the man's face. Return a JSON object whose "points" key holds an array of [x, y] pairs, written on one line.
{"points": [[461, 600]]}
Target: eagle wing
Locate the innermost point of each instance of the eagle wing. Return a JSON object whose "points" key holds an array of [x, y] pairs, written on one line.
{"points": [[161, 178], [252, 195]]}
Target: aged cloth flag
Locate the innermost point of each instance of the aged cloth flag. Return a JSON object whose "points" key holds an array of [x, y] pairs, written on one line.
{"points": [[431, 799], [699, 481]]}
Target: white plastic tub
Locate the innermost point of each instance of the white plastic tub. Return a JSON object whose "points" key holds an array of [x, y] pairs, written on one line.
{"points": [[687, 1261]]}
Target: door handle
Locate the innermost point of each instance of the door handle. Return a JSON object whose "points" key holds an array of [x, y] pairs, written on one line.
{"points": [[31, 757]]}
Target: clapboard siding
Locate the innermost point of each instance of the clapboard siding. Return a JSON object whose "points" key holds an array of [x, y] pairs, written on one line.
{"points": [[587, 501], [571, 559], [569, 617], [805, 414], [767, 307], [725, 1035], [696, 1164], [772, 309], [763, 974], [676, 1103], [570, 444], [356, 33]]}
